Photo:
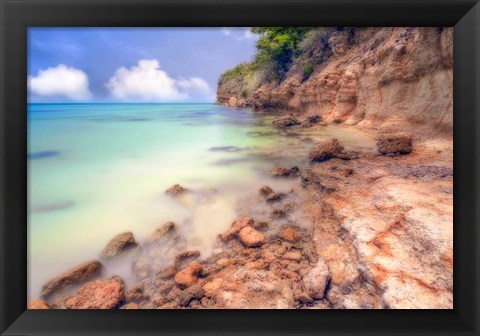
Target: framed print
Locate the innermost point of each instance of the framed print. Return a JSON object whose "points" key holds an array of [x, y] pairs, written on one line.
{"points": [[241, 167]]}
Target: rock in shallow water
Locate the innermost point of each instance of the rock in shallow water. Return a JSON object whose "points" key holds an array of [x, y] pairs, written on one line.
{"points": [[398, 143], [286, 121], [188, 276], [251, 237], [290, 234], [99, 294], [237, 225], [161, 234], [72, 277], [118, 245], [175, 190], [284, 172], [325, 150]]}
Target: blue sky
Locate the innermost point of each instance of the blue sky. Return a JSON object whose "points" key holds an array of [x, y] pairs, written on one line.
{"points": [[132, 64]]}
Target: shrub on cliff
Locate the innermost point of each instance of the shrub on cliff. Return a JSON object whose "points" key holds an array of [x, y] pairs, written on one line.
{"points": [[276, 48]]}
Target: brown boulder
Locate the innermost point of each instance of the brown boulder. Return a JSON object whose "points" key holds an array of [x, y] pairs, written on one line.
{"points": [[251, 237], [161, 234], [286, 121], [315, 281], [194, 292], [72, 277], [212, 287], [325, 150], [135, 294], [290, 234], [398, 143], [186, 256], [120, 244], [167, 272], [237, 225], [293, 255], [266, 190], [37, 304], [273, 197], [175, 190], [99, 294], [284, 172], [188, 276]]}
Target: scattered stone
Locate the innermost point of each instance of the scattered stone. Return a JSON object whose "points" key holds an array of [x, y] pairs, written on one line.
{"points": [[99, 294], [293, 255], [211, 287], [237, 225], [161, 234], [347, 155], [70, 278], [175, 190], [266, 190], [273, 197], [312, 120], [398, 143], [321, 183], [315, 281], [135, 294], [188, 276], [217, 251], [290, 234], [325, 150], [251, 237], [278, 213], [286, 121], [194, 292], [186, 256], [254, 289], [141, 268], [168, 272], [37, 304], [284, 172], [118, 245], [262, 226]]}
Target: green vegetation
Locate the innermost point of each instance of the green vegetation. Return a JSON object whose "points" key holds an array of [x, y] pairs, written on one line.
{"points": [[307, 70], [279, 49], [276, 48]]}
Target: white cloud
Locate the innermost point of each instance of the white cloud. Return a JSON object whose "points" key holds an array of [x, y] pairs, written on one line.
{"points": [[239, 33], [248, 35], [226, 31], [147, 82], [61, 80]]}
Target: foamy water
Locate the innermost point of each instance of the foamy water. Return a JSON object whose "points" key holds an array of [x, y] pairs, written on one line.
{"points": [[96, 170]]}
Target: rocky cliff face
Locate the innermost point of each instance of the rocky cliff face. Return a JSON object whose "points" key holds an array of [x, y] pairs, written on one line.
{"points": [[386, 79]]}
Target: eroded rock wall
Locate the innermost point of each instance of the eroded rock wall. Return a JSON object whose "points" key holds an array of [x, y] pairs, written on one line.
{"points": [[386, 79]]}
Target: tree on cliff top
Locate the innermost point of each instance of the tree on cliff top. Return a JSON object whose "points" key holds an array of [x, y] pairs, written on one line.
{"points": [[277, 46]]}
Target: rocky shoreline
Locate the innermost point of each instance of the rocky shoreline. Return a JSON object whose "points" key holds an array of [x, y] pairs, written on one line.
{"points": [[379, 235]]}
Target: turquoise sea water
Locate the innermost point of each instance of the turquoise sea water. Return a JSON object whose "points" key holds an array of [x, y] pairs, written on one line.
{"points": [[96, 170]]}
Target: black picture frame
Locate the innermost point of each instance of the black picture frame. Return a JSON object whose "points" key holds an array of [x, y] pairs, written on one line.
{"points": [[17, 15]]}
